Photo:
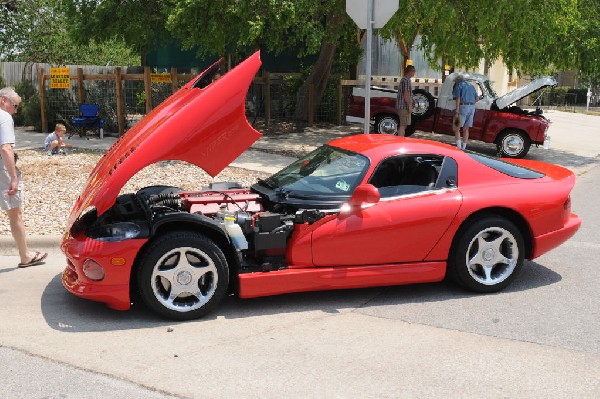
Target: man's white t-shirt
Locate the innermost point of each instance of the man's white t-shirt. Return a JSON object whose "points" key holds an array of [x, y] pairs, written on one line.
{"points": [[7, 128]]}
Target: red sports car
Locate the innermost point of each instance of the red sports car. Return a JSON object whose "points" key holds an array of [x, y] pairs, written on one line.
{"points": [[361, 211]]}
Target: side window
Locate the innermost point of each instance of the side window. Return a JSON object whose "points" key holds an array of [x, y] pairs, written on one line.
{"points": [[408, 174]]}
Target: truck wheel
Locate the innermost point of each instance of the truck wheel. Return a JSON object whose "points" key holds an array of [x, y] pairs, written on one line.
{"points": [[424, 104], [386, 124], [513, 143], [182, 275]]}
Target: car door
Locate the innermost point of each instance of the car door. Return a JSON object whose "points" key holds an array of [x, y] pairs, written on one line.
{"points": [[401, 227]]}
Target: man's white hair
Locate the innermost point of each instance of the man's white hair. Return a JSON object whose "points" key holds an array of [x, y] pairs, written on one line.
{"points": [[9, 92]]}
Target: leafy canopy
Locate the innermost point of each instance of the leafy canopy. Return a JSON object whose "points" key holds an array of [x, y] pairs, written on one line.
{"points": [[36, 31]]}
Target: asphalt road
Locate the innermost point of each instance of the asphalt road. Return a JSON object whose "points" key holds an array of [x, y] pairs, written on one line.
{"points": [[540, 338]]}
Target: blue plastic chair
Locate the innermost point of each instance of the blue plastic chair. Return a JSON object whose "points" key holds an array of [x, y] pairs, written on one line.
{"points": [[88, 119]]}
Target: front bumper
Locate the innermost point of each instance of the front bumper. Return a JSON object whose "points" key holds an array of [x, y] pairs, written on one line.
{"points": [[116, 258]]}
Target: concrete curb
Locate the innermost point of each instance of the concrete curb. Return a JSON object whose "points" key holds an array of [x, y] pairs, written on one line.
{"points": [[36, 242]]}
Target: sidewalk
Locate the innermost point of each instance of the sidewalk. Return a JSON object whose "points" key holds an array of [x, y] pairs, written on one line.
{"points": [[262, 156]]}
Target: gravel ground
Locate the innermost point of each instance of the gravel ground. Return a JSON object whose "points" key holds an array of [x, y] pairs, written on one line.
{"points": [[52, 184]]}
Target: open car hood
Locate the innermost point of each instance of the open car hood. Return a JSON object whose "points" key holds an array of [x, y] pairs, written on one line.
{"points": [[520, 92], [203, 123]]}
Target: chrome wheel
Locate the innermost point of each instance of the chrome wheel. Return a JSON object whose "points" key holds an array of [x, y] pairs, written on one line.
{"points": [[182, 275], [386, 124], [513, 144], [492, 256], [184, 279], [486, 254], [424, 105]]}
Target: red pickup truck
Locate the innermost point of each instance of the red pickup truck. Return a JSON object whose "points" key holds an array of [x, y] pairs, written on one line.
{"points": [[496, 120]]}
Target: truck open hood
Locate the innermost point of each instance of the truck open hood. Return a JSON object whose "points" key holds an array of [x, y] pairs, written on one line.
{"points": [[203, 123], [520, 92]]}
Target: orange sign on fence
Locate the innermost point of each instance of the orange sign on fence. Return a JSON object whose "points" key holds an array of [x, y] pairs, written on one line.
{"points": [[160, 78], [60, 78]]}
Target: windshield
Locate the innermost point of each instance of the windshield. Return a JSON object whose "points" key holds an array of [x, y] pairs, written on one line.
{"points": [[325, 171], [490, 90]]}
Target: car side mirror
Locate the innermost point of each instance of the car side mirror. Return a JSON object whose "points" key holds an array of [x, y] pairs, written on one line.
{"points": [[363, 195]]}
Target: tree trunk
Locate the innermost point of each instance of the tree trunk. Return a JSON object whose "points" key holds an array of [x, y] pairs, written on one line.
{"points": [[318, 78], [321, 70]]}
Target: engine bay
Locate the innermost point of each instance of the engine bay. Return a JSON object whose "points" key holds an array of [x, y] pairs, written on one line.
{"points": [[258, 234]]}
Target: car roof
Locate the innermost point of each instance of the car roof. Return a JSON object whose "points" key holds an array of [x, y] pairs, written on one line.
{"points": [[379, 146]]}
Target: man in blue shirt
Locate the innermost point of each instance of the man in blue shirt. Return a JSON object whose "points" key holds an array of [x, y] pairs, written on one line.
{"points": [[466, 96]]}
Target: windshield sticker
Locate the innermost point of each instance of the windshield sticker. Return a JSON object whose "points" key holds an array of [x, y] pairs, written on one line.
{"points": [[342, 185]]}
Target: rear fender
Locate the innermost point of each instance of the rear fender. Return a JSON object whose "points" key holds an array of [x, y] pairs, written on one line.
{"points": [[498, 122]]}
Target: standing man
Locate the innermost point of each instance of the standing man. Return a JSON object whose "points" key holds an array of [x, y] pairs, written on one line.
{"points": [[11, 186], [404, 100], [466, 96]]}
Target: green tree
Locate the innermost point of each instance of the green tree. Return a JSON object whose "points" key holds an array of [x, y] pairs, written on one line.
{"points": [[306, 26], [138, 23], [35, 31], [530, 35], [584, 44]]}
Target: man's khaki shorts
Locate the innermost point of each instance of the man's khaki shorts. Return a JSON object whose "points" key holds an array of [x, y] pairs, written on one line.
{"points": [[404, 117], [8, 202]]}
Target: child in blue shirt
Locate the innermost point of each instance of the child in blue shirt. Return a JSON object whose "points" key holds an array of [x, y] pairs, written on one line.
{"points": [[54, 141]]}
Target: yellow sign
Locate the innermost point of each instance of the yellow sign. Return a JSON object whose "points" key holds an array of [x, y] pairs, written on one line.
{"points": [[160, 77], [60, 78]]}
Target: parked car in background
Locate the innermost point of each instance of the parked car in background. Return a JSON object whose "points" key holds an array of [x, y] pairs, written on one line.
{"points": [[512, 128], [360, 211]]}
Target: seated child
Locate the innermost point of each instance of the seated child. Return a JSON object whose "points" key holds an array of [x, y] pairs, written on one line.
{"points": [[54, 141]]}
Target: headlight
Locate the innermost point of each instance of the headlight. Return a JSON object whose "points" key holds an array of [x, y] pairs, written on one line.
{"points": [[115, 232], [93, 270]]}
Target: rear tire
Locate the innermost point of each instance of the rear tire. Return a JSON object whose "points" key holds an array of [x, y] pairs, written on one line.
{"points": [[386, 124], [182, 275], [424, 105], [486, 255]]}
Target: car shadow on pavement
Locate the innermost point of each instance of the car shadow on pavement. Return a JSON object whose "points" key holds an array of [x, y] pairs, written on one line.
{"points": [[67, 313]]}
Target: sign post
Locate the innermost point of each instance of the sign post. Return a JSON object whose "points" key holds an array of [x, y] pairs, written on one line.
{"points": [[375, 15]]}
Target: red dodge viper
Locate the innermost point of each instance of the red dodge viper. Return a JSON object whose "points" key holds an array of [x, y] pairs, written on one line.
{"points": [[361, 211]]}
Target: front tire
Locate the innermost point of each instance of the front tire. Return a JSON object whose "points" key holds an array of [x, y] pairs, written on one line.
{"points": [[487, 255], [386, 124], [513, 143], [182, 275]]}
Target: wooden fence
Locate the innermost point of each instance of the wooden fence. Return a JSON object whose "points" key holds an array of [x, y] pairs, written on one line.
{"points": [[265, 82]]}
